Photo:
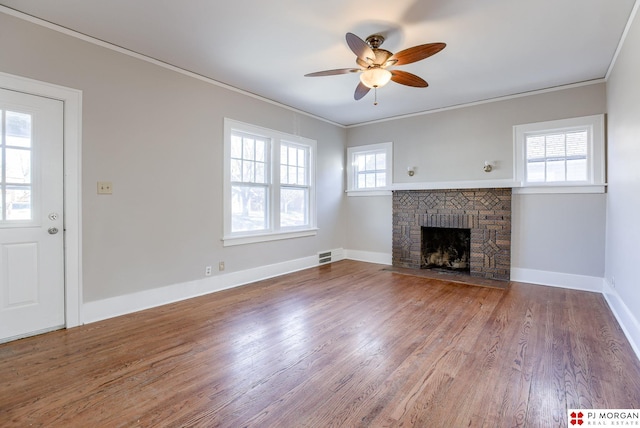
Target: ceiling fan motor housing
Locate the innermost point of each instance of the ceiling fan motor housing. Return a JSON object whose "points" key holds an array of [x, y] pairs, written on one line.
{"points": [[375, 40]]}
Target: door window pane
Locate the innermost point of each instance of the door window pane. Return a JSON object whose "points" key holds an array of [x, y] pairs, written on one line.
{"points": [[18, 169], [16, 165], [18, 129], [18, 203]]}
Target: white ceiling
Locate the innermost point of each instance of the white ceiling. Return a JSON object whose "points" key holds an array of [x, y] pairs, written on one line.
{"points": [[494, 48]]}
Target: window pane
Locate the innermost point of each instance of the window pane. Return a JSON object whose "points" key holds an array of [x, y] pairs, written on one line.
{"points": [[555, 146], [260, 150], [535, 172], [370, 180], [577, 170], [247, 172], [236, 146], [302, 176], [381, 161], [261, 176], [293, 175], [361, 181], [18, 166], [293, 156], [555, 170], [370, 162], [381, 179], [293, 207], [535, 147], [18, 129], [248, 208], [577, 144], [248, 148], [360, 162], [19, 203], [236, 170]]}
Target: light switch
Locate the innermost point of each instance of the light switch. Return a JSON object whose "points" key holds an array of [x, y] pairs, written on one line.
{"points": [[105, 188]]}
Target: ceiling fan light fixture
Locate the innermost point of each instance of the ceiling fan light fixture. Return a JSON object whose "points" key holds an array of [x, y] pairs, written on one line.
{"points": [[375, 77]]}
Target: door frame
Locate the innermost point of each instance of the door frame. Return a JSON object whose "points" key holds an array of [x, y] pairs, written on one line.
{"points": [[72, 150]]}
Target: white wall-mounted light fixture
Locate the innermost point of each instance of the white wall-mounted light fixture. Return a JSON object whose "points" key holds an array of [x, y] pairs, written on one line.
{"points": [[411, 170], [487, 166]]}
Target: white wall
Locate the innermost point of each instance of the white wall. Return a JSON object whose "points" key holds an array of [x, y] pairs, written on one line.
{"points": [[157, 135], [623, 207], [556, 235]]}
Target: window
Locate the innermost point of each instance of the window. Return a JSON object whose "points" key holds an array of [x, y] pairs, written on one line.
{"points": [[269, 184], [370, 168], [561, 156], [15, 166]]}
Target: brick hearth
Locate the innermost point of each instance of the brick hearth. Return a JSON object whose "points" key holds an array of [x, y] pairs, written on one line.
{"points": [[487, 212]]}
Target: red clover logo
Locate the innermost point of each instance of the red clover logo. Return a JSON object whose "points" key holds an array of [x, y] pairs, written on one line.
{"points": [[576, 418]]}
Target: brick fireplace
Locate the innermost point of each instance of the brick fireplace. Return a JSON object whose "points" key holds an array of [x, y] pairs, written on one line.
{"points": [[485, 212]]}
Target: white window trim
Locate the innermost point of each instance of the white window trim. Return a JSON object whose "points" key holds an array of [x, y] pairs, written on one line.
{"points": [[274, 232], [351, 170], [595, 182]]}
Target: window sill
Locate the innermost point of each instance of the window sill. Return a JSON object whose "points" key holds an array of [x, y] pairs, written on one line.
{"points": [[373, 192], [229, 241], [559, 188]]}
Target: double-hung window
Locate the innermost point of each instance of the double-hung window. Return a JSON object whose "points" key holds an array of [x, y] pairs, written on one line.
{"points": [[560, 156], [269, 184]]}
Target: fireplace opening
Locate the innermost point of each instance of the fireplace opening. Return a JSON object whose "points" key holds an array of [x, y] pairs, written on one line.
{"points": [[445, 248]]}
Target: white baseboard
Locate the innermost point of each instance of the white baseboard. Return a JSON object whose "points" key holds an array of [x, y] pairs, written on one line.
{"points": [[120, 305], [558, 279], [628, 322], [368, 256]]}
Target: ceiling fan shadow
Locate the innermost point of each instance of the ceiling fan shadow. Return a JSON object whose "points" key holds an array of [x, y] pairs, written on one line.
{"points": [[429, 10]]}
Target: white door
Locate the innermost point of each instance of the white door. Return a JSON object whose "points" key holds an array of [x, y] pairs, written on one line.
{"points": [[31, 218]]}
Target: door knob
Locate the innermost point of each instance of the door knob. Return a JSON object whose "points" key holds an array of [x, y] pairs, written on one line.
{"points": [[52, 230]]}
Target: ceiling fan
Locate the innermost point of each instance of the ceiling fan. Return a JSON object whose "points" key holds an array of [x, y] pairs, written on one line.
{"points": [[374, 61]]}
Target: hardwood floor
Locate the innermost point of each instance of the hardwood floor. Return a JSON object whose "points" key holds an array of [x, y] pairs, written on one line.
{"points": [[347, 344]]}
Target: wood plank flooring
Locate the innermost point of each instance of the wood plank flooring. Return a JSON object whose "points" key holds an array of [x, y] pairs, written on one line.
{"points": [[343, 345]]}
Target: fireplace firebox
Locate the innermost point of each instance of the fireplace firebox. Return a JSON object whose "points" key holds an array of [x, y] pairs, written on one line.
{"points": [[446, 248]]}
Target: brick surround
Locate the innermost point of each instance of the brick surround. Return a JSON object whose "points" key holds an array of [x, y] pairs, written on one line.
{"points": [[487, 212]]}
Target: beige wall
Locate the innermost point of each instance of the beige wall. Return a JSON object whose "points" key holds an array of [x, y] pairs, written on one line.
{"points": [[157, 135], [623, 206], [453, 145]]}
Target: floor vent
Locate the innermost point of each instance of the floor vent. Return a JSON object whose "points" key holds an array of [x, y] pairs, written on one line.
{"points": [[330, 256], [324, 257]]}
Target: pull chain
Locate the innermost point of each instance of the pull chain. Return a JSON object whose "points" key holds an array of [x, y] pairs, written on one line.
{"points": [[375, 95]]}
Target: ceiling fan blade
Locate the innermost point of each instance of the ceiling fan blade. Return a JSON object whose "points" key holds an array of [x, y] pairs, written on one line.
{"points": [[360, 47], [409, 79], [333, 72], [417, 53], [361, 91]]}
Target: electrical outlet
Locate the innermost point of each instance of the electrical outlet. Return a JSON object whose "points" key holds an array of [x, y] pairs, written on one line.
{"points": [[207, 271], [105, 188], [221, 266]]}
